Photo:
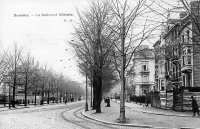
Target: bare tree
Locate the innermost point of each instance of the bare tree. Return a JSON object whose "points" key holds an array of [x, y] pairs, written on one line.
{"points": [[93, 41], [132, 25], [27, 65], [36, 81], [13, 62]]}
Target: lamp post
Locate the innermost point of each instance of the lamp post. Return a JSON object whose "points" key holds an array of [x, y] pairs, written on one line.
{"points": [[86, 103]]}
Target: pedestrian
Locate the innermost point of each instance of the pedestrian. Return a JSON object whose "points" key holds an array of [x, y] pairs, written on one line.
{"points": [[147, 100], [195, 107], [108, 102], [65, 101]]}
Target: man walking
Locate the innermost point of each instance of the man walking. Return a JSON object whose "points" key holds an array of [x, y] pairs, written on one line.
{"points": [[195, 107]]}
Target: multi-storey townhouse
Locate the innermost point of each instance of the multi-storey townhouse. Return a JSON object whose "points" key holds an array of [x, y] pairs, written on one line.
{"points": [[160, 81], [140, 77], [172, 55], [182, 52], [182, 60]]}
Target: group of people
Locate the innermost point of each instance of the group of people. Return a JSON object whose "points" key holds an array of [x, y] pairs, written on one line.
{"points": [[71, 100]]}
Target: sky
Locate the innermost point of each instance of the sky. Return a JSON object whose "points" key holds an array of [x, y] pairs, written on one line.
{"points": [[46, 37]]}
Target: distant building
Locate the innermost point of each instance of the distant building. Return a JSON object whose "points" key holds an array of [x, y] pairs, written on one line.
{"points": [[140, 77]]}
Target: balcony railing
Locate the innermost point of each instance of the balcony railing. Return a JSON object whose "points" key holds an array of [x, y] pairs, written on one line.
{"points": [[186, 68], [144, 71], [145, 82]]}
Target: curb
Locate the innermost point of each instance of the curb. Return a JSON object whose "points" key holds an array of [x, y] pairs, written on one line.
{"points": [[110, 123], [131, 125]]}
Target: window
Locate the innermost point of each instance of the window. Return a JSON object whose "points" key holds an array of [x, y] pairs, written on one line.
{"points": [[183, 60], [177, 70], [189, 51], [182, 38], [188, 35], [184, 52], [174, 70], [176, 33], [145, 78], [162, 69], [189, 59], [144, 68], [162, 85]]}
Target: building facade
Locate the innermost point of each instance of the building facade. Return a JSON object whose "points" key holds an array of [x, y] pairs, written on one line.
{"points": [[182, 52], [160, 80], [181, 61], [140, 77]]}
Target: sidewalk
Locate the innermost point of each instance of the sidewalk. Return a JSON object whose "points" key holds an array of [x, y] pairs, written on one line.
{"points": [[145, 117], [157, 111], [6, 108]]}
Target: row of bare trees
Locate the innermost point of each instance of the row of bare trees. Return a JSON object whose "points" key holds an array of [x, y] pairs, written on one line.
{"points": [[106, 37], [108, 34], [21, 73]]}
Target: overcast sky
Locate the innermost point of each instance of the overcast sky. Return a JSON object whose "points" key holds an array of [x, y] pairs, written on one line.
{"points": [[45, 36]]}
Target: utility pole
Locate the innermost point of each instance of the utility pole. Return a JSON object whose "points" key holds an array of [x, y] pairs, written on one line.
{"points": [[122, 117]]}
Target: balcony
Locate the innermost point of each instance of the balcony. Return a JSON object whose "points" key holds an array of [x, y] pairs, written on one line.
{"points": [[186, 68], [145, 83], [175, 58], [186, 44]]}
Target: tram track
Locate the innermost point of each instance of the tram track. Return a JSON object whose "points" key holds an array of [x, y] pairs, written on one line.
{"points": [[75, 117]]}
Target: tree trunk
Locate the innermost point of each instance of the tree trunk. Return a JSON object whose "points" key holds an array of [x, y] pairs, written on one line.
{"points": [[48, 97], [49, 93], [99, 95], [60, 97], [14, 85], [122, 117], [25, 89], [9, 96], [42, 101], [94, 91], [57, 94], [91, 94], [35, 95]]}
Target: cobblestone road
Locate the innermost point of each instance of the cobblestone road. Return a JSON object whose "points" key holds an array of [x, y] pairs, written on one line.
{"points": [[51, 117]]}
